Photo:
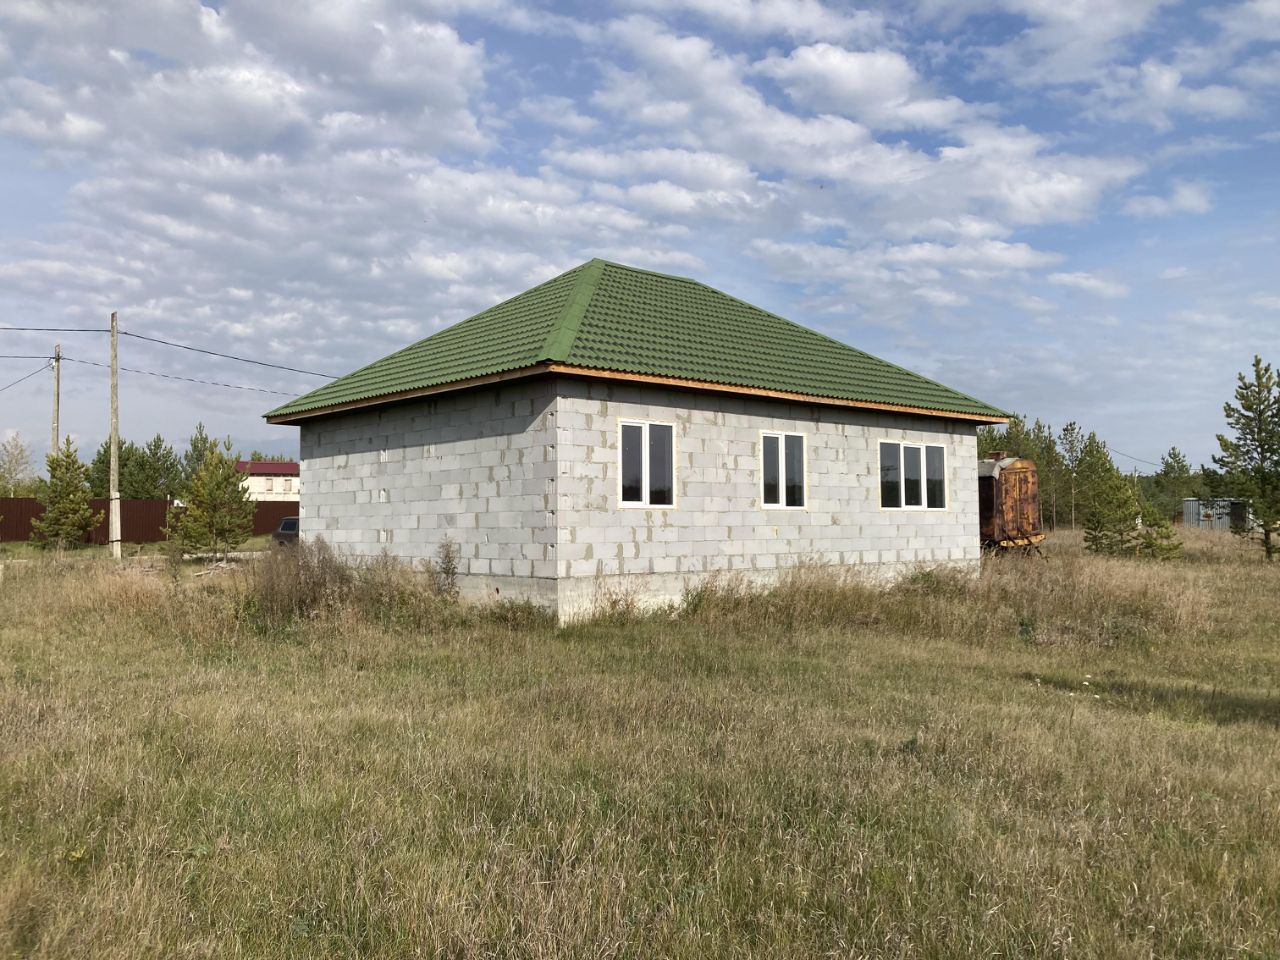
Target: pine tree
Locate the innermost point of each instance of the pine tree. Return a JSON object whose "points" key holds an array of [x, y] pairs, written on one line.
{"points": [[68, 517], [217, 515], [149, 472], [1251, 458], [1172, 483], [1071, 444], [1156, 537], [158, 471], [198, 448], [1107, 501]]}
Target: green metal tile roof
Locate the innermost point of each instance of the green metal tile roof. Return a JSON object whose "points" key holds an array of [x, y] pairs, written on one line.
{"points": [[608, 316]]}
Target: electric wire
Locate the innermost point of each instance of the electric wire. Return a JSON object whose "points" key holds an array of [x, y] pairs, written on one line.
{"points": [[170, 343], [225, 356], [170, 376], [57, 329], [27, 377], [1132, 457]]}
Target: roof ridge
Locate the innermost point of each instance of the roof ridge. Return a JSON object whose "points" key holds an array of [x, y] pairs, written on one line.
{"points": [[564, 331]]}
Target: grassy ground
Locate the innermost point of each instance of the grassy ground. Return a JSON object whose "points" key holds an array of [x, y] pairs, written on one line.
{"points": [[22, 550], [1078, 758]]}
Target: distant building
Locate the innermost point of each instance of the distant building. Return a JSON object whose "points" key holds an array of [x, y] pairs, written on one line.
{"points": [[270, 479], [1215, 514]]}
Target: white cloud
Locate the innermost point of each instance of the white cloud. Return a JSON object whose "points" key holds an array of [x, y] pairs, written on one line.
{"points": [[1063, 42], [941, 298], [1154, 93], [696, 169], [1185, 197], [878, 87], [558, 112], [1263, 71], [1089, 283], [1270, 301], [1254, 21], [796, 18], [1175, 273]]}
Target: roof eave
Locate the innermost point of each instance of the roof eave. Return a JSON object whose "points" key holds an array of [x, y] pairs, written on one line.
{"points": [[595, 373]]}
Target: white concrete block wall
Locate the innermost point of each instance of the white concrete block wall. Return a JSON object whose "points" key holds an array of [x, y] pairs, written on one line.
{"points": [[475, 466], [718, 523], [525, 479]]}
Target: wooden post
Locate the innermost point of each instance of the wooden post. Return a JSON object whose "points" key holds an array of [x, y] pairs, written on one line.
{"points": [[113, 522], [57, 395]]}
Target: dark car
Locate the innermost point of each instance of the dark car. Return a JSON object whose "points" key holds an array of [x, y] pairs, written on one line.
{"points": [[287, 533]]}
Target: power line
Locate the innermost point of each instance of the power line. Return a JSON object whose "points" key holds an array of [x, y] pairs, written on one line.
{"points": [[27, 377], [170, 376], [24, 356], [58, 329], [1132, 457], [225, 356], [170, 343]]}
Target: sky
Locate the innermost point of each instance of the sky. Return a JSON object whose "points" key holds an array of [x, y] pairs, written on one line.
{"points": [[1068, 208]]}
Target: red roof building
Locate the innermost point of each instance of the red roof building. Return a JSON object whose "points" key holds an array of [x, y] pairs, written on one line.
{"points": [[270, 479]]}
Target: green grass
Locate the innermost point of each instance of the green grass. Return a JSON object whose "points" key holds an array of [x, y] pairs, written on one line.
{"points": [[1074, 759]]}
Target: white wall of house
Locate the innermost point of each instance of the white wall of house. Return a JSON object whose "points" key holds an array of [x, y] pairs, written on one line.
{"points": [[271, 488], [719, 522], [525, 479], [476, 467]]}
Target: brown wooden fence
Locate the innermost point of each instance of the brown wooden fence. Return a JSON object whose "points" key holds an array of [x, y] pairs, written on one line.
{"points": [[141, 521], [271, 512]]}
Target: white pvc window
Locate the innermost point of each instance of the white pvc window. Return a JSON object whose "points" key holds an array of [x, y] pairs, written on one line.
{"points": [[913, 476], [646, 454], [782, 470]]}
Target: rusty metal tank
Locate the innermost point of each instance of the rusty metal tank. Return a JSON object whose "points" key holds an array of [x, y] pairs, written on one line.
{"points": [[1008, 502]]}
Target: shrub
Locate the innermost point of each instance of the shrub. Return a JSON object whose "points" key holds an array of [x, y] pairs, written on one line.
{"points": [[310, 581]]}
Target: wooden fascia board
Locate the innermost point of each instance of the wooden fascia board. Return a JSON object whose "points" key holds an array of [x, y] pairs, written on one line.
{"points": [[685, 384], [593, 373]]}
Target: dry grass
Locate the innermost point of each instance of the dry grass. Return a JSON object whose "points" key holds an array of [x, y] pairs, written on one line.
{"points": [[1074, 758]]}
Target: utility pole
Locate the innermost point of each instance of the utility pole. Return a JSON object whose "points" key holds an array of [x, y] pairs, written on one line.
{"points": [[113, 529], [57, 394]]}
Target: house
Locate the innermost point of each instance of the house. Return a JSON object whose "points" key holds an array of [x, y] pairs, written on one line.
{"points": [[270, 479], [619, 428]]}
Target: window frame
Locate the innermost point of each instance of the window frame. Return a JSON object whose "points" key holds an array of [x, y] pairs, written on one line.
{"points": [[644, 464], [781, 436], [902, 476]]}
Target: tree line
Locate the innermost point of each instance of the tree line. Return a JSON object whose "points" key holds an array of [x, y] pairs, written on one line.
{"points": [[212, 510], [150, 471], [1081, 486]]}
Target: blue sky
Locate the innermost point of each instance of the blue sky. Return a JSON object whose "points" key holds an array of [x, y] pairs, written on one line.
{"points": [[1065, 207]]}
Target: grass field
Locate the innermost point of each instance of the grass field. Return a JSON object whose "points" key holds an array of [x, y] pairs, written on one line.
{"points": [[1078, 758]]}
